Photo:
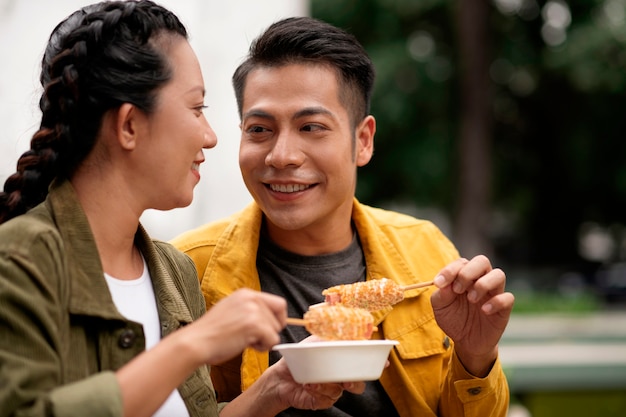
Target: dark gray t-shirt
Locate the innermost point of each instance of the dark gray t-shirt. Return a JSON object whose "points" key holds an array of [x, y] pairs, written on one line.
{"points": [[301, 280]]}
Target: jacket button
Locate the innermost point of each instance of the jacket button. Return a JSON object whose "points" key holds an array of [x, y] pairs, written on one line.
{"points": [[127, 338], [474, 390], [446, 342]]}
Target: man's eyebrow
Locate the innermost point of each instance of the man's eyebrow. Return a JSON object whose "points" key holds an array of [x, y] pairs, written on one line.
{"points": [[312, 111], [258, 113], [307, 111]]}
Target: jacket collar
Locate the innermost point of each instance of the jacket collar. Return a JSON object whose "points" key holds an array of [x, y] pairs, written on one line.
{"points": [[89, 292], [240, 241], [236, 250], [238, 244], [381, 254]]}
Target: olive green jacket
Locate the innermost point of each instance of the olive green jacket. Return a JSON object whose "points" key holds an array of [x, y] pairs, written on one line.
{"points": [[61, 336], [424, 378]]}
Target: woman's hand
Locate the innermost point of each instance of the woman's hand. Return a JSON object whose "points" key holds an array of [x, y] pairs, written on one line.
{"points": [[246, 318]]}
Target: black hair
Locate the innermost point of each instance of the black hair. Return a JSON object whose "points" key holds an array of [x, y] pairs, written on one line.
{"points": [[98, 58], [311, 41]]}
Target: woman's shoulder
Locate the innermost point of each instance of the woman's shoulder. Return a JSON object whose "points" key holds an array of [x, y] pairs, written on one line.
{"points": [[175, 259], [29, 231]]}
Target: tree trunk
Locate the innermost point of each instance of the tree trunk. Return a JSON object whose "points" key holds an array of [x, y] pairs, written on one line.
{"points": [[471, 231]]}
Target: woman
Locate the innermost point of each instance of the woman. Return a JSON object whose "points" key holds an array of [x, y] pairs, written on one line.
{"points": [[89, 304]]}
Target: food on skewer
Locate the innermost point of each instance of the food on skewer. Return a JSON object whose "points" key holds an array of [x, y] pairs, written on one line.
{"points": [[340, 323], [337, 322], [371, 295]]}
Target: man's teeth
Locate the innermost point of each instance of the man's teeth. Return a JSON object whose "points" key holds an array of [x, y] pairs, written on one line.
{"points": [[195, 166], [288, 188]]}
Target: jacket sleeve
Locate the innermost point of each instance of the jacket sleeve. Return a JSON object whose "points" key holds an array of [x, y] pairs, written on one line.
{"points": [[424, 377], [468, 396], [226, 376], [33, 325]]}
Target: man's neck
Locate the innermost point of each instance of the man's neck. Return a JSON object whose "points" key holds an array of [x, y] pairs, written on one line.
{"points": [[311, 241]]}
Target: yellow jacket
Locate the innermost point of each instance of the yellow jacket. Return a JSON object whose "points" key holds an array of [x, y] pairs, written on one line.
{"points": [[424, 377]]}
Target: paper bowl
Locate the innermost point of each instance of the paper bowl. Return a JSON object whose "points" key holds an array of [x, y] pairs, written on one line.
{"points": [[336, 361]]}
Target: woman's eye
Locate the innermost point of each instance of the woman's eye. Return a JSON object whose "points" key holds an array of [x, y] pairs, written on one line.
{"points": [[201, 108]]}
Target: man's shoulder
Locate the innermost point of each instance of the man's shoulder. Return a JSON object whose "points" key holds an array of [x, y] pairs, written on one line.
{"points": [[400, 227], [208, 234], [205, 235], [391, 218]]}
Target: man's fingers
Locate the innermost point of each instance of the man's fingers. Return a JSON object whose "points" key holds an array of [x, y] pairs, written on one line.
{"points": [[498, 304], [448, 274], [492, 283]]}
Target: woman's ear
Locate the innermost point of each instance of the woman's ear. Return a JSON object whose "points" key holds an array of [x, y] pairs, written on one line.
{"points": [[128, 125], [365, 140]]}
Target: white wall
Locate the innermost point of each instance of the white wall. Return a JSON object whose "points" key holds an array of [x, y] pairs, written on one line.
{"points": [[220, 32]]}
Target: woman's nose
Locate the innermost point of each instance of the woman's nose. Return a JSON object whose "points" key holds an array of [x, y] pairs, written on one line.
{"points": [[210, 138]]}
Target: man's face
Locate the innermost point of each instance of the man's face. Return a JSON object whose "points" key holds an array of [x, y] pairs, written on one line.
{"points": [[298, 153]]}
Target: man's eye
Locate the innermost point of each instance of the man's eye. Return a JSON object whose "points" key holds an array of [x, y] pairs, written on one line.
{"points": [[256, 129], [312, 128]]}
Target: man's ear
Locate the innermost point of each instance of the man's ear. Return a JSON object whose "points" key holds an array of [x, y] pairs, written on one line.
{"points": [[127, 125], [365, 140]]}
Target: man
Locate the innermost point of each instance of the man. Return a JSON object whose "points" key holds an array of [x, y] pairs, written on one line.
{"points": [[303, 96]]}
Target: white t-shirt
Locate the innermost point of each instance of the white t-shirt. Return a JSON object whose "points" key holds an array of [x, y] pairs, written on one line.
{"points": [[136, 301]]}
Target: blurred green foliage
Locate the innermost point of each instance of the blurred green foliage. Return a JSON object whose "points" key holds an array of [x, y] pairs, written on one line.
{"points": [[558, 79], [549, 302], [588, 403]]}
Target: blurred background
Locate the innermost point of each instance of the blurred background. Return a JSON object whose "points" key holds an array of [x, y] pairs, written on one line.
{"points": [[499, 120], [220, 33]]}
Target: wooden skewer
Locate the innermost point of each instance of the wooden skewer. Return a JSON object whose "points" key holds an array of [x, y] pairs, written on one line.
{"points": [[418, 285], [296, 322]]}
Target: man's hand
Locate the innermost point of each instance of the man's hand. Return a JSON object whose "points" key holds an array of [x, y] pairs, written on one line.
{"points": [[472, 307]]}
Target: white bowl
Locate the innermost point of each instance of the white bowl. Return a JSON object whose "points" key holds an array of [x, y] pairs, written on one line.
{"points": [[336, 361]]}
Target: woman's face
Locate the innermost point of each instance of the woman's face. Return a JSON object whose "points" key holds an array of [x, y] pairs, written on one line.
{"points": [[177, 133]]}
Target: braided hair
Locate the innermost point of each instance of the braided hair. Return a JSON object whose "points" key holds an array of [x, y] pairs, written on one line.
{"points": [[98, 58]]}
